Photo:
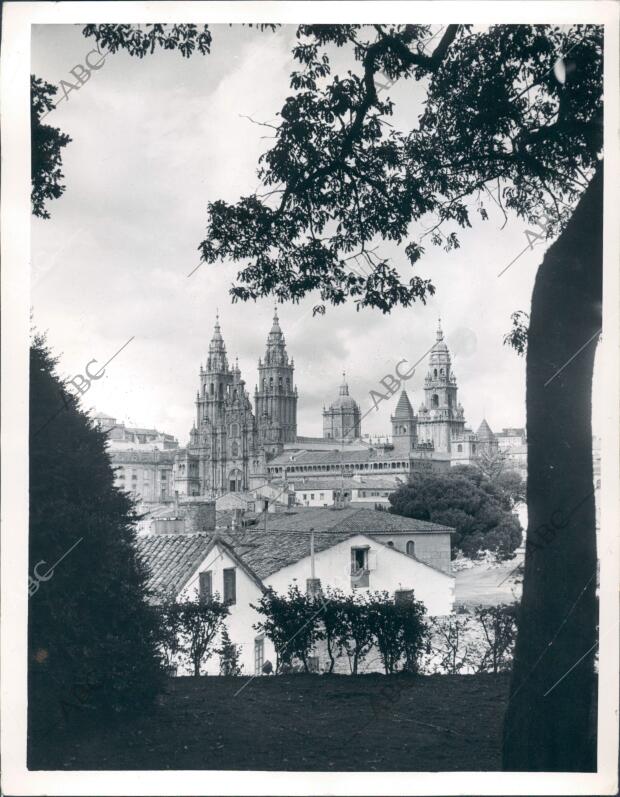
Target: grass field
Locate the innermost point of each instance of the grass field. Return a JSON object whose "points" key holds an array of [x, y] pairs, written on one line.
{"points": [[298, 722]]}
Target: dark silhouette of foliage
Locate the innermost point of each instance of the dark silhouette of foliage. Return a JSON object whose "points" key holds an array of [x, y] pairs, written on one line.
{"points": [[229, 654], [517, 337], [357, 633], [499, 628], [292, 623], [474, 506], [46, 144], [333, 629], [92, 635], [198, 624]]}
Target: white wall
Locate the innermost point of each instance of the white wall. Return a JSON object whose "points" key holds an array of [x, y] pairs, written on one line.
{"points": [[241, 618], [393, 570]]}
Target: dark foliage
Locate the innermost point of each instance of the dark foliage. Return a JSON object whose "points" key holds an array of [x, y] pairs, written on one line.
{"points": [[46, 144], [478, 509], [499, 629], [92, 636], [291, 623], [197, 625], [229, 654]]}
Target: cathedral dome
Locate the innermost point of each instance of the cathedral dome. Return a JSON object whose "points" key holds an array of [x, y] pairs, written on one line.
{"points": [[344, 400]]}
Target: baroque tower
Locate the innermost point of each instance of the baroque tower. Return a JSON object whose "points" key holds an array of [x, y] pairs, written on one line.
{"points": [[275, 397], [440, 417], [222, 442]]}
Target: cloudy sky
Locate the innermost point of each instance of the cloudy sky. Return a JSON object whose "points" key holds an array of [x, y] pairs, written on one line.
{"points": [[154, 140]]}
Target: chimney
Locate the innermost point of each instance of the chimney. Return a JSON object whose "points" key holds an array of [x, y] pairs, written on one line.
{"points": [[313, 587]]}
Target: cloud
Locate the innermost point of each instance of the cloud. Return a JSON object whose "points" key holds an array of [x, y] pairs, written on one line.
{"points": [[154, 140]]}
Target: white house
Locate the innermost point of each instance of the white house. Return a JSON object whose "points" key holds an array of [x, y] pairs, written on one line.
{"points": [[240, 564]]}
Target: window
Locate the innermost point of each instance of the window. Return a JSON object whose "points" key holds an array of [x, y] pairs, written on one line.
{"points": [[411, 547], [359, 567], [435, 400], [259, 655], [390, 544], [312, 496], [205, 581], [359, 559], [235, 449], [230, 585], [459, 448], [321, 496]]}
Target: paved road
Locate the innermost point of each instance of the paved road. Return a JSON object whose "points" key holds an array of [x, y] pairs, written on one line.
{"points": [[482, 584]]}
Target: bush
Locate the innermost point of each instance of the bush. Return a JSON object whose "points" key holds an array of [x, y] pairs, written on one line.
{"points": [[93, 637], [399, 630], [229, 655], [197, 625], [291, 623], [499, 631]]}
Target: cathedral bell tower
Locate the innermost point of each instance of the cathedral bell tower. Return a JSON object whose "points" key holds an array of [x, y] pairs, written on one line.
{"points": [[275, 397], [440, 418]]}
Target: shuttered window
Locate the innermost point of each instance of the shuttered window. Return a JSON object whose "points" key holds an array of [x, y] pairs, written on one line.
{"points": [[230, 585], [205, 586]]}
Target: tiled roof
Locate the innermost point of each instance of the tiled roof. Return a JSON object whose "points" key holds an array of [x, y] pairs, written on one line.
{"points": [[172, 558], [357, 519]]}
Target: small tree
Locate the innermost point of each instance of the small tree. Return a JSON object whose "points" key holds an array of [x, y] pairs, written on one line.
{"points": [[499, 631], [333, 624], [229, 655], [414, 631], [292, 623], [451, 644], [170, 631], [356, 635], [385, 621], [199, 623]]}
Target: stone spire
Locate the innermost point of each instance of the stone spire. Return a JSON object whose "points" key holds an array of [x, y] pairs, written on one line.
{"points": [[276, 396], [404, 409], [217, 360], [344, 388]]}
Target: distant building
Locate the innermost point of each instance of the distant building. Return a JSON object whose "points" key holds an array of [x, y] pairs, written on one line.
{"points": [[351, 549], [512, 443], [142, 459]]}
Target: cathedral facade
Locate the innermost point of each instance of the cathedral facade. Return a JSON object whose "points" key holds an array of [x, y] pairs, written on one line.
{"points": [[230, 441], [235, 446]]}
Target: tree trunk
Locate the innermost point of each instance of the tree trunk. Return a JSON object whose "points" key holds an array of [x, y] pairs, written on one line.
{"points": [[550, 716]]}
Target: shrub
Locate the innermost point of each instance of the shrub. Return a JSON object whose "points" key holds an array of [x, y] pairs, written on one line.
{"points": [[198, 624], [229, 655], [292, 623], [499, 631]]}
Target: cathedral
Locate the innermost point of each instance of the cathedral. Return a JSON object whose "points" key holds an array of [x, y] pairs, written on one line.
{"points": [[235, 446]]}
